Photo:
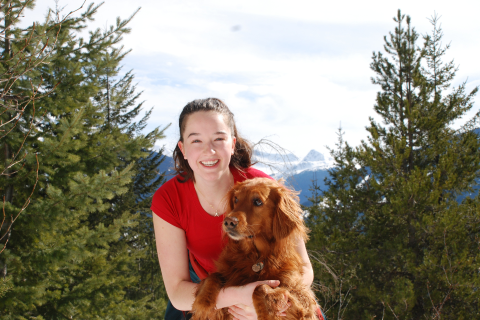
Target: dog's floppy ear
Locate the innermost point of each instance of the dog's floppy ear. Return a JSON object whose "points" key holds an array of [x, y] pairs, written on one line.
{"points": [[229, 196], [287, 217]]}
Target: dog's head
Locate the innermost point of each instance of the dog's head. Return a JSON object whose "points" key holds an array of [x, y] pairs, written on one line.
{"points": [[263, 207]]}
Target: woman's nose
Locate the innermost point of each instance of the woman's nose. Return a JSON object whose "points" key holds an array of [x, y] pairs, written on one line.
{"points": [[210, 148]]}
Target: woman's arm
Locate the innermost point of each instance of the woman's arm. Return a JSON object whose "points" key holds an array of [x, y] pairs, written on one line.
{"points": [[173, 258], [307, 268]]}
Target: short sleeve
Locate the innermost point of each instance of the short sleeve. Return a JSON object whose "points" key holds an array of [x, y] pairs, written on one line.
{"points": [[165, 204]]}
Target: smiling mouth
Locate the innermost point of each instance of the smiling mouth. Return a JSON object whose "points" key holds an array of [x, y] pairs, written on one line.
{"points": [[209, 163]]}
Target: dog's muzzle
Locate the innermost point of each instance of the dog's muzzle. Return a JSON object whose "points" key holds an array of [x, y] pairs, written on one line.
{"points": [[230, 223]]}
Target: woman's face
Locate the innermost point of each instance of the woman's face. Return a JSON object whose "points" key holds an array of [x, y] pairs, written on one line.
{"points": [[207, 145]]}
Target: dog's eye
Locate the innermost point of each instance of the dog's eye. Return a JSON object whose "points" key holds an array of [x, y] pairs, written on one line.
{"points": [[235, 200], [257, 202]]}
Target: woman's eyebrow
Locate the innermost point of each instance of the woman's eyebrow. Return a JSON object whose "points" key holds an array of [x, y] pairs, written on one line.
{"points": [[197, 134], [193, 134]]}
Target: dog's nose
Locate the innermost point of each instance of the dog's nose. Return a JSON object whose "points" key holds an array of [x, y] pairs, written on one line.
{"points": [[230, 222]]}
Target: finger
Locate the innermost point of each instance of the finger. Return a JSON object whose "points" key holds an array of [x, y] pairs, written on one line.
{"points": [[284, 305], [271, 283], [233, 313], [283, 313], [285, 308], [241, 312]]}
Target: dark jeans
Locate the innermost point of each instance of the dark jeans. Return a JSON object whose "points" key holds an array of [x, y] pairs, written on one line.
{"points": [[173, 314]]}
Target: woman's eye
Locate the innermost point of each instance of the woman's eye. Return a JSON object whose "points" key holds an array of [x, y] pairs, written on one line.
{"points": [[235, 200], [257, 202], [195, 141]]}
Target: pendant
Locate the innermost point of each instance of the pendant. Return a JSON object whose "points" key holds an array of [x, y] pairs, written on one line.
{"points": [[257, 267]]}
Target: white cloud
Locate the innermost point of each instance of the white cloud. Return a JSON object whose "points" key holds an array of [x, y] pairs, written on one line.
{"points": [[293, 70]]}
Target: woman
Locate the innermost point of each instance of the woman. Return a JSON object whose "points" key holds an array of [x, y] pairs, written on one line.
{"points": [[209, 158]]}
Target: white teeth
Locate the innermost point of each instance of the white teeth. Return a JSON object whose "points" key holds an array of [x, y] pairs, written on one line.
{"points": [[209, 163]]}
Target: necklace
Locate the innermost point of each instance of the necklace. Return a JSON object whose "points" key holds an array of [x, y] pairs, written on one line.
{"points": [[206, 199], [198, 190]]}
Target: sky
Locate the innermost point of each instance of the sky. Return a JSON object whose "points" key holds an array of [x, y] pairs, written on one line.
{"points": [[290, 71]]}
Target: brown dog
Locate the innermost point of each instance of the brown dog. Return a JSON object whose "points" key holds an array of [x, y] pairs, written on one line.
{"points": [[263, 225]]}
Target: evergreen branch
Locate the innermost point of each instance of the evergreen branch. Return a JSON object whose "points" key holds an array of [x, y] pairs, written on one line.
{"points": [[119, 27], [95, 190], [77, 118], [430, 297], [30, 66], [4, 216], [30, 127], [4, 124], [473, 123], [338, 252], [7, 4], [348, 302], [25, 205], [11, 165], [8, 232], [391, 309], [17, 119]]}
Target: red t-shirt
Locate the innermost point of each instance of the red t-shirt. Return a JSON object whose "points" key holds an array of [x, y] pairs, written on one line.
{"points": [[178, 204]]}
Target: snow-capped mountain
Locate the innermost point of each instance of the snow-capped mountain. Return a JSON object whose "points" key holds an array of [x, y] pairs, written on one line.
{"points": [[286, 165], [275, 157], [314, 155], [298, 173]]}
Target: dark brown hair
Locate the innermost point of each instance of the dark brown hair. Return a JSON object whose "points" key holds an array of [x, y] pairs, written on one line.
{"points": [[242, 157]]}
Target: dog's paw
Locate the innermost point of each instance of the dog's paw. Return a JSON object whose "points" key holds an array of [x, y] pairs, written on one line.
{"points": [[206, 298], [278, 300], [271, 303], [201, 310]]}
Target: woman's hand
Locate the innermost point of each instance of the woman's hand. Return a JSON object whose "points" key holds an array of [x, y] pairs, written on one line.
{"points": [[246, 310], [243, 312]]}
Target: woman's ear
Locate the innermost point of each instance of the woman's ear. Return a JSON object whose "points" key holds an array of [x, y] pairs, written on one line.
{"points": [[180, 145]]}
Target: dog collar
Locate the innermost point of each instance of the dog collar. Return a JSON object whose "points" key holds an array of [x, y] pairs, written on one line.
{"points": [[257, 267]]}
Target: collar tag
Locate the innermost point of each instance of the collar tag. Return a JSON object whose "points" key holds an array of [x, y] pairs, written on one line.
{"points": [[257, 267]]}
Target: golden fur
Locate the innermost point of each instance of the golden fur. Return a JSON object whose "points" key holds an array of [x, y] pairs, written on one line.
{"points": [[263, 225]]}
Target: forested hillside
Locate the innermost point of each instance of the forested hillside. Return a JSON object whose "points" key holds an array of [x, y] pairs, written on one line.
{"points": [[392, 237], [75, 163]]}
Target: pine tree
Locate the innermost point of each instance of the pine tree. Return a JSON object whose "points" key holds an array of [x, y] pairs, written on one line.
{"points": [[22, 52], [391, 223], [333, 223], [76, 252], [119, 102]]}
